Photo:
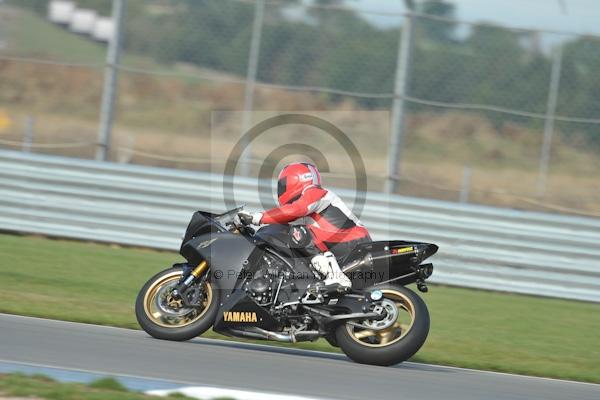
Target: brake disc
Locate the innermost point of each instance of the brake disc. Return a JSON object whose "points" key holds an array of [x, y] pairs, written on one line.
{"points": [[168, 305], [389, 309]]}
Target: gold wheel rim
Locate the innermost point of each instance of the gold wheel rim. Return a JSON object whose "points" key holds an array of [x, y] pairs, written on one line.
{"points": [[158, 317], [393, 334]]}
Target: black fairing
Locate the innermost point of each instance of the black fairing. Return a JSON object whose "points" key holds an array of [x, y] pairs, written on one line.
{"points": [[239, 302], [199, 224], [226, 253]]}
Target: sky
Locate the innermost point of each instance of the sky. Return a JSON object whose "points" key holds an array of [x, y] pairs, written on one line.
{"points": [[582, 16]]}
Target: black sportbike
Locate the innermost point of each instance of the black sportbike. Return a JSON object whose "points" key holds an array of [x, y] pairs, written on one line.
{"points": [[253, 284]]}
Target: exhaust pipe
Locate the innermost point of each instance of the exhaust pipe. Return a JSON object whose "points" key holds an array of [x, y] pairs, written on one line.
{"points": [[259, 333], [366, 261], [384, 259]]}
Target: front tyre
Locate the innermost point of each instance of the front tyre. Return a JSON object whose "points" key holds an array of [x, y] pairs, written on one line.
{"points": [[164, 317], [402, 335]]}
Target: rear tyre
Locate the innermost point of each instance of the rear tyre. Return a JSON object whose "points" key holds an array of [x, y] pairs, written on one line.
{"points": [[394, 344], [164, 317]]}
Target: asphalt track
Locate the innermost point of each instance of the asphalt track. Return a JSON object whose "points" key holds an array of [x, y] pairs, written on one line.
{"points": [[260, 368]]}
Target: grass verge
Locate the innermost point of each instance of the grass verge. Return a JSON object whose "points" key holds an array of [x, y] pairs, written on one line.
{"points": [[42, 387], [95, 283]]}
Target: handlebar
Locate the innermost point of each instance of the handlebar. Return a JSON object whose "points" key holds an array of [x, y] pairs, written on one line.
{"points": [[225, 220]]}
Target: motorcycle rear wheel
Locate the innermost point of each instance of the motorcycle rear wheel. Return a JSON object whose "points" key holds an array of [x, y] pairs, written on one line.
{"points": [[164, 317], [392, 345]]}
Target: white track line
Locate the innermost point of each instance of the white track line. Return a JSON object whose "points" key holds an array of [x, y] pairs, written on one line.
{"points": [[208, 392]]}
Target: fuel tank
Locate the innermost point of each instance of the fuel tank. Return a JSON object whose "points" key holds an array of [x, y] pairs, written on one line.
{"points": [[276, 236]]}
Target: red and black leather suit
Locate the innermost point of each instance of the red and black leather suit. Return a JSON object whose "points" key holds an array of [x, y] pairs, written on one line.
{"points": [[331, 224]]}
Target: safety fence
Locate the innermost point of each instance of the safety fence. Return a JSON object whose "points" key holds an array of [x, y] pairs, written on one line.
{"points": [[507, 112], [480, 247]]}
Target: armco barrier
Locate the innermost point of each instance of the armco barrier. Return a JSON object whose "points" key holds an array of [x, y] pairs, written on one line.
{"points": [[480, 247]]}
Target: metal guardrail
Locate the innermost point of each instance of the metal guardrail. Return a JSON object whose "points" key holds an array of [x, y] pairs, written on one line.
{"points": [[480, 247]]}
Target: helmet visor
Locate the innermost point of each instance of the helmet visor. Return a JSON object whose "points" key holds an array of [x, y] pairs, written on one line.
{"points": [[281, 186]]}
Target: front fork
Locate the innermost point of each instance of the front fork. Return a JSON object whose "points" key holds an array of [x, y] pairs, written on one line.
{"points": [[189, 276]]}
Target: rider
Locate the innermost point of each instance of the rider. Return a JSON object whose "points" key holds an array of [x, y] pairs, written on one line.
{"points": [[328, 228]]}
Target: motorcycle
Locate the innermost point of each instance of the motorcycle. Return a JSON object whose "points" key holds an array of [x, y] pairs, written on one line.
{"points": [[252, 283]]}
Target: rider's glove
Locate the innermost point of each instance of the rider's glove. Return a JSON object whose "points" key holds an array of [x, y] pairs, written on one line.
{"points": [[246, 218]]}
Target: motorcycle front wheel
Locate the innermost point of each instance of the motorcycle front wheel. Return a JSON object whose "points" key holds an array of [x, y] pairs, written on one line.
{"points": [[165, 317], [392, 340]]}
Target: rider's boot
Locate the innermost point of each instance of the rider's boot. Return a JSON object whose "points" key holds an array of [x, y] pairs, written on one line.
{"points": [[335, 280]]}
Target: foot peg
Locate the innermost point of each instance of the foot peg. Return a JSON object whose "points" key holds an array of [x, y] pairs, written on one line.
{"points": [[317, 293]]}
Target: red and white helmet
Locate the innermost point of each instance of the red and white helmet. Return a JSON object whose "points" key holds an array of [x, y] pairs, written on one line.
{"points": [[294, 179]]}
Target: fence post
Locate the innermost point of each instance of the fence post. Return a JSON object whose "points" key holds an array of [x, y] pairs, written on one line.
{"points": [[549, 122], [400, 91], [465, 188], [111, 75], [28, 133], [253, 56]]}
